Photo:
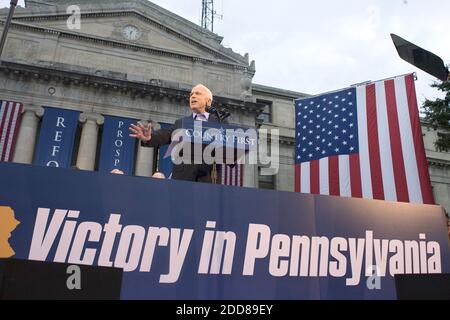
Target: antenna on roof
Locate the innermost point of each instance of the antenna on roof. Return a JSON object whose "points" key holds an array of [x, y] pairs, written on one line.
{"points": [[208, 15]]}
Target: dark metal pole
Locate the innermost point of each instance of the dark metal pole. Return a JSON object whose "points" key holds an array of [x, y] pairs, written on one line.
{"points": [[12, 7]]}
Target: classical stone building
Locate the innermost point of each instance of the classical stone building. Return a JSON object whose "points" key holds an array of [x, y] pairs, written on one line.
{"points": [[132, 58], [439, 167]]}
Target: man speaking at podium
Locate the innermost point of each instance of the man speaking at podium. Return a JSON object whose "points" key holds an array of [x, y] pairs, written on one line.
{"points": [[200, 99]]}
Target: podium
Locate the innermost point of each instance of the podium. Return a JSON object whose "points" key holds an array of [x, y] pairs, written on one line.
{"points": [[212, 143]]}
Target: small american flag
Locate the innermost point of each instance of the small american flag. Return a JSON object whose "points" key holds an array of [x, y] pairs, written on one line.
{"points": [[10, 116], [363, 142], [232, 176]]}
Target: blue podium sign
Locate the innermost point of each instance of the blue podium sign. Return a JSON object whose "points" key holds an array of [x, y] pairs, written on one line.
{"points": [[220, 134]]}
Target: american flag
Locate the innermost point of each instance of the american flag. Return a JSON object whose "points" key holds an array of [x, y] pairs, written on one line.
{"points": [[232, 176], [10, 116], [363, 142]]}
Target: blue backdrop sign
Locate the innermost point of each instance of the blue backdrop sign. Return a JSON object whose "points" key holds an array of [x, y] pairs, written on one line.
{"points": [[117, 150], [56, 138], [239, 244]]}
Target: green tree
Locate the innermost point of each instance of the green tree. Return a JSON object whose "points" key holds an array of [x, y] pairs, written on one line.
{"points": [[437, 114]]}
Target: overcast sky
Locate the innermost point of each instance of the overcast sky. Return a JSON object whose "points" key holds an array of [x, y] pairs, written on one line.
{"points": [[318, 46]]}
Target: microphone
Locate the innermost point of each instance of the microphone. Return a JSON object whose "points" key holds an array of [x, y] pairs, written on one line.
{"points": [[225, 114], [213, 110], [220, 114]]}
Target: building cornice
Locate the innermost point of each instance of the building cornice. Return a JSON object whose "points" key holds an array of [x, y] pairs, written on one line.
{"points": [[259, 88], [432, 162], [287, 141], [117, 82]]}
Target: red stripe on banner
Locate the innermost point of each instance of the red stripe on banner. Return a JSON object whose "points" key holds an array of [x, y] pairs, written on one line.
{"points": [[236, 181], [16, 130], [374, 147], [297, 177], [10, 132], [242, 175], [333, 176], [230, 177], [224, 181], [355, 176], [315, 177], [3, 112], [225, 174], [8, 121], [422, 164], [401, 185]]}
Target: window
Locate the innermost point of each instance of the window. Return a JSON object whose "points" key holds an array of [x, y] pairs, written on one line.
{"points": [[266, 182], [266, 115]]}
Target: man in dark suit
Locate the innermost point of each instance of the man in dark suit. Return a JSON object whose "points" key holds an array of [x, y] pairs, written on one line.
{"points": [[200, 98]]}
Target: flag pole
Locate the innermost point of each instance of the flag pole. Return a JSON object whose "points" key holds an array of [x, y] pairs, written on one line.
{"points": [[7, 24]]}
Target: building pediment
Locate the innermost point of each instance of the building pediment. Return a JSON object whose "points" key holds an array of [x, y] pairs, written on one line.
{"points": [[138, 23]]}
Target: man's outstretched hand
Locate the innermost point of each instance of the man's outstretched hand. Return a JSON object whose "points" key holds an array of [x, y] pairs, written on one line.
{"points": [[141, 132]]}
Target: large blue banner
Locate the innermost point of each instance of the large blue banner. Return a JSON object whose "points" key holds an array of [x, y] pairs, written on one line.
{"points": [[55, 144], [118, 149], [184, 240]]}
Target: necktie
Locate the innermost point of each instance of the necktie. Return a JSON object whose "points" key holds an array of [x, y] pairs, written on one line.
{"points": [[200, 117]]}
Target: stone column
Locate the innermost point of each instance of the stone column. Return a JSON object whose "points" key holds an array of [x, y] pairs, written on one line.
{"points": [[26, 140], [250, 175], [250, 170], [145, 156], [88, 141]]}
